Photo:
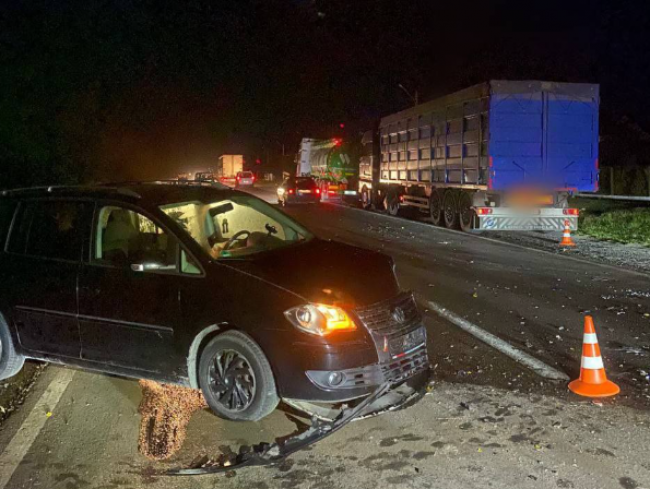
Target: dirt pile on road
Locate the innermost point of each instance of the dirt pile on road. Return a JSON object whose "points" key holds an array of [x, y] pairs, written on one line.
{"points": [[166, 410]]}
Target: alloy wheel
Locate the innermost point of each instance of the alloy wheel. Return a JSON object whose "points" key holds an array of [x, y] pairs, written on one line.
{"points": [[232, 380]]}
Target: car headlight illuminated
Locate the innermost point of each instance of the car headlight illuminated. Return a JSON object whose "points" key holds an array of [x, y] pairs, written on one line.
{"points": [[320, 319]]}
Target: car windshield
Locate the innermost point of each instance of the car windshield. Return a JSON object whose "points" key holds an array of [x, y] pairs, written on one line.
{"points": [[236, 227]]}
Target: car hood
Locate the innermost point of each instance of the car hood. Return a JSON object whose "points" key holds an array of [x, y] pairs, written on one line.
{"points": [[327, 271]]}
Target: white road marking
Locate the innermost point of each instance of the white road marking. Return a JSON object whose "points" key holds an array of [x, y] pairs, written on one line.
{"points": [[537, 366], [22, 441]]}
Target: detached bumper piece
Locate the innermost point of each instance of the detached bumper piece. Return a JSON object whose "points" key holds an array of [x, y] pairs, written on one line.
{"points": [[269, 454]]}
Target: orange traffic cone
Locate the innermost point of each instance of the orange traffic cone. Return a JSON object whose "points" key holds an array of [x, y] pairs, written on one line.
{"points": [[566, 236], [593, 381]]}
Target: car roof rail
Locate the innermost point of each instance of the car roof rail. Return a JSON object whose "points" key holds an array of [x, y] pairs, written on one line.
{"points": [[52, 188], [189, 183]]}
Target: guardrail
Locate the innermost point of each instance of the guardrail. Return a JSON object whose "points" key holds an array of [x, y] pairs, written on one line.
{"points": [[614, 197]]}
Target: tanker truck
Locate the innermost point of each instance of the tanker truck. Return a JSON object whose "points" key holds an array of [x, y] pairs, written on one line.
{"points": [[333, 163]]}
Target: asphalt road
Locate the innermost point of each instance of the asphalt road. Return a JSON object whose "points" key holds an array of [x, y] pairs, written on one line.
{"points": [[534, 300], [488, 422]]}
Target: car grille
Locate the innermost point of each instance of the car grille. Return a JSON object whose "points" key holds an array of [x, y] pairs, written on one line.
{"points": [[407, 366], [379, 317]]}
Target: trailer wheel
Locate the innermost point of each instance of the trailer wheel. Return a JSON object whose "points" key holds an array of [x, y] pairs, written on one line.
{"points": [[435, 207], [392, 205], [465, 212], [450, 209], [366, 201]]}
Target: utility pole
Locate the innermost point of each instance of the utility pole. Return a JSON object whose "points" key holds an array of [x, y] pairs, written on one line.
{"points": [[414, 98]]}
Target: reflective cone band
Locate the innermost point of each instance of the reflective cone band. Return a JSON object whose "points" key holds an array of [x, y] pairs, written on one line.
{"points": [[566, 236], [593, 380]]}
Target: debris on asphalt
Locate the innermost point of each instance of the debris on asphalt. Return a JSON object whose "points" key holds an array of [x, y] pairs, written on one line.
{"points": [[15, 390], [166, 410], [272, 453]]}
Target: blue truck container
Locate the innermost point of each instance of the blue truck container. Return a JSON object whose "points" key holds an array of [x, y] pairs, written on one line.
{"points": [[501, 155]]}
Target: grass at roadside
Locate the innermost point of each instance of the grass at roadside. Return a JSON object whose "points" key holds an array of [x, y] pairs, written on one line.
{"points": [[622, 221]]}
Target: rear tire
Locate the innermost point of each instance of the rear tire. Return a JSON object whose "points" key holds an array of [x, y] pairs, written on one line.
{"points": [[392, 205], [450, 209], [242, 389], [435, 208], [366, 201], [10, 362], [465, 212]]}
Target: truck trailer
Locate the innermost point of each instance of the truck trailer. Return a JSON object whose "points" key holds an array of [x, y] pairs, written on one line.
{"points": [[228, 166], [333, 163], [501, 155]]}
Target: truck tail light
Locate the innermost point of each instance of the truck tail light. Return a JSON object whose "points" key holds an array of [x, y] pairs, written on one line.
{"points": [[571, 212], [483, 211]]}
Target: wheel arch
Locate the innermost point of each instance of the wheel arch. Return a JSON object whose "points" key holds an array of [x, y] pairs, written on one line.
{"points": [[199, 342], [196, 347]]}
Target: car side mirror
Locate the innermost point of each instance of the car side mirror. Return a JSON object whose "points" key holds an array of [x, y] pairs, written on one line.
{"points": [[145, 267]]}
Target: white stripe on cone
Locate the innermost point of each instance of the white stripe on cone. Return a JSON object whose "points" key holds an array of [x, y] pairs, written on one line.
{"points": [[592, 363], [590, 339]]}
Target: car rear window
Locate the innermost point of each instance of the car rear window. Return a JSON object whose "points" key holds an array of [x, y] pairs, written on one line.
{"points": [[7, 210], [246, 174], [305, 183], [49, 229]]}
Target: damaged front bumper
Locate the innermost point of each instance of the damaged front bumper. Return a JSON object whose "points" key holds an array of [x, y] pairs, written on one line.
{"points": [[384, 399], [397, 397]]}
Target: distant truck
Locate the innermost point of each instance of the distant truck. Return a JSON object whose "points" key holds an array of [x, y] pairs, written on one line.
{"points": [[333, 163], [502, 155], [228, 166]]}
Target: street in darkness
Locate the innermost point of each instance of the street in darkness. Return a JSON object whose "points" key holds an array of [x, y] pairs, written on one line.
{"points": [[323, 244]]}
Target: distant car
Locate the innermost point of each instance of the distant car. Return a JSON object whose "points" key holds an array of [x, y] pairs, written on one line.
{"points": [[300, 190], [206, 176], [205, 287], [244, 179]]}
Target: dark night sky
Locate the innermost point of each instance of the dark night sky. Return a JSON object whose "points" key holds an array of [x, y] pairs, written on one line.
{"points": [[141, 88]]}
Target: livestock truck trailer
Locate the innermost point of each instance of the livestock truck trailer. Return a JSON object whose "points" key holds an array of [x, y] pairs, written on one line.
{"points": [[501, 155]]}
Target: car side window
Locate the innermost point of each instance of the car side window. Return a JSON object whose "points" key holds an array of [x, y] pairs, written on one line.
{"points": [[49, 229], [125, 238], [188, 265]]}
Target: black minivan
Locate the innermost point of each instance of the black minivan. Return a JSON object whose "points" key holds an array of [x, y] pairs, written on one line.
{"points": [[202, 286]]}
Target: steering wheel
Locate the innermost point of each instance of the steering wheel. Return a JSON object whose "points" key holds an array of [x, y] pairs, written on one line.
{"points": [[240, 235]]}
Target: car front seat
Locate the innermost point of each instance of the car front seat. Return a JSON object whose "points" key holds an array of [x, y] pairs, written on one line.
{"points": [[118, 237]]}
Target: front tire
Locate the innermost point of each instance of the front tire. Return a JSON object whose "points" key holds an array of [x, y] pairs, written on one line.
{"points": [[10, 362], [236, 378]]}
